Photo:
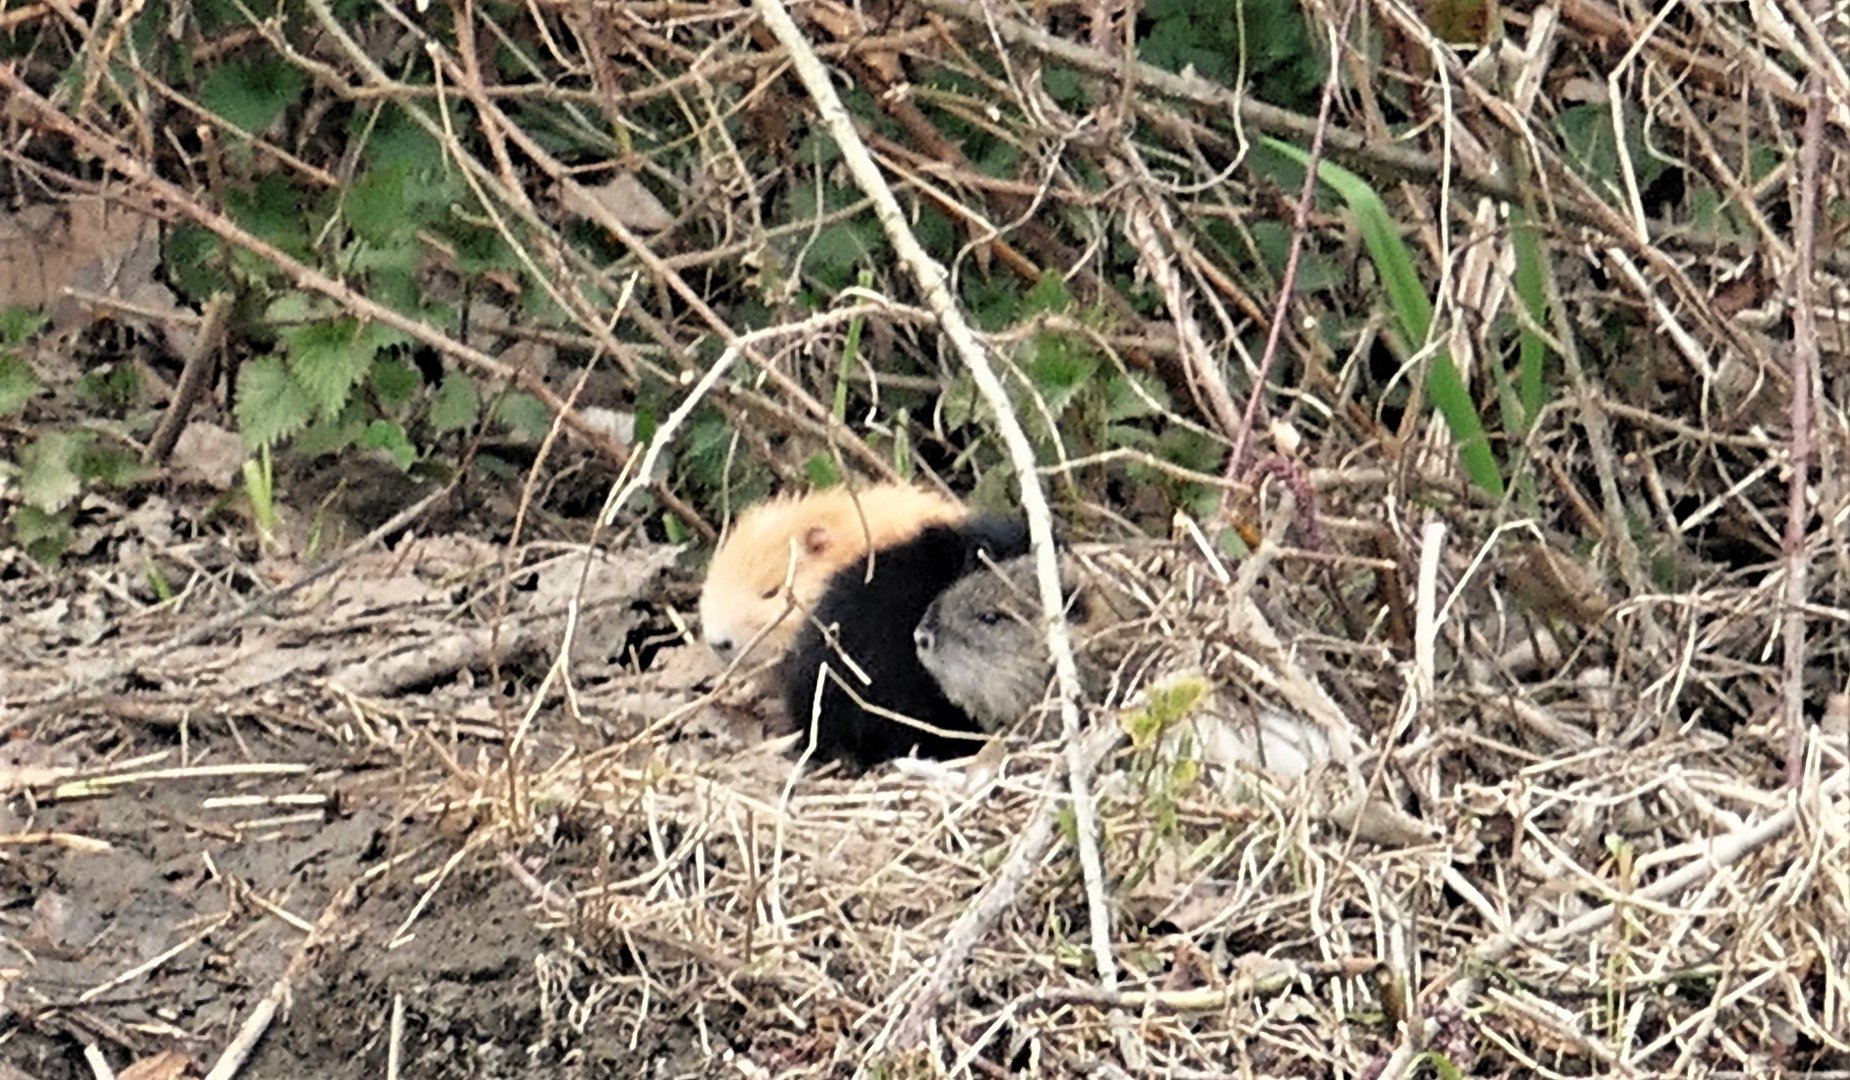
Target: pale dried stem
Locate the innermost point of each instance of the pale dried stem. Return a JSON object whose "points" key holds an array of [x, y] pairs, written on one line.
{"points": [[932, 282]]}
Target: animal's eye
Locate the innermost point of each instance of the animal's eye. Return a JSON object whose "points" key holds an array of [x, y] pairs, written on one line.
{"points": [[989, 618], [770, 593]]}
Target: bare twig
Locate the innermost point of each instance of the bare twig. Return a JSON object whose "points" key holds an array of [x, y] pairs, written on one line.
{"points": [[1300, 225], [932, 282], [1804, 372], [194, 378]]}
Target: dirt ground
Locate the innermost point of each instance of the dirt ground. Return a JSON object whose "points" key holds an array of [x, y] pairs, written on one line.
{"points": [[302, 838], [312, 804]]}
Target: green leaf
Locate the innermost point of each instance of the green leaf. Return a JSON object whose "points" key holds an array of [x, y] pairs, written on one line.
{"points": [[1061, 367], [851, 350], [252, 94], [20, 324], [1191, 449], [523, 412], [1412, 312], [395, 381], [478, 249], [395, 138], [328, 359], [157, 581], [192, 259], [260, 489], [271, 405], [456, 406], [107, 466], [1265, 40], [902, 455], [820, 470], [400, 256], [47, 471], [1123, 401], [18, 384], [274, 209], [1119, 436], [1586, 132], [378, 204], [1065, 85], [44, 536], [293, 307], [333, 433], [836, 250], [961, 404], [387, 436], [1532, 290], [112, 388], [1049, 294]]}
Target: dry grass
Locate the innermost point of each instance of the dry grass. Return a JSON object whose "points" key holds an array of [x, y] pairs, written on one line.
{"points": [[1616, 697]]}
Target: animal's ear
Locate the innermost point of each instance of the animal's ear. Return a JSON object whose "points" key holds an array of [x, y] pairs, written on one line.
{"points": [[817, 539], [999, 536]]}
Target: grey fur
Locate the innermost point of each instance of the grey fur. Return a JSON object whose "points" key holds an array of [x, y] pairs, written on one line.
{"points": [[982, 640]]}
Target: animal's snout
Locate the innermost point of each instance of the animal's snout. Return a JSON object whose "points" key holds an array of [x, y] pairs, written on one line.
{"points": [[723, 646], [925, 635]]}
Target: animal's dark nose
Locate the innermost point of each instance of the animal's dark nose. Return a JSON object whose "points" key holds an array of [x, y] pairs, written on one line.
{"points": [[925, 634]]}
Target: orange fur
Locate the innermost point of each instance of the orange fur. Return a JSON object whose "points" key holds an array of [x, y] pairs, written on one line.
{"points": [[804, 539]]}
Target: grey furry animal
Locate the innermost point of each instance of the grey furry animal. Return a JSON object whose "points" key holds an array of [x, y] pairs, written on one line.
{"points": [[982, 640], [1169, 636]]}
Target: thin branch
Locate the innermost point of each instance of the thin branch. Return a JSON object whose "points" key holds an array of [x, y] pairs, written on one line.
{"points": [[1804, 371], [932, 282]]}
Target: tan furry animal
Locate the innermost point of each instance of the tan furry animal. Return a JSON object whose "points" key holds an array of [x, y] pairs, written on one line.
{"points": [[801, 541]]}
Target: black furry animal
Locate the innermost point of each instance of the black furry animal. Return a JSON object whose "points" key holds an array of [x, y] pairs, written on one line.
{"points": [[872, 621]]}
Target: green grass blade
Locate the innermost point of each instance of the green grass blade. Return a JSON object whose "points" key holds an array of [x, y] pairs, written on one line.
{"points": [[1413, 313], [1532, 290]]}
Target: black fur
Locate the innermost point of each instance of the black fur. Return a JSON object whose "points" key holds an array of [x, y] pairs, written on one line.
{"points": [[873, 620]]}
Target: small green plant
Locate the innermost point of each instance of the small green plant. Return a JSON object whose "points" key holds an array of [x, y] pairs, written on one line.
{"points": [[54, 469], [1164, 777], [1264, 40], [1523, 397], [260, 488], [1165, 704], [158, 583], [19, 384]]}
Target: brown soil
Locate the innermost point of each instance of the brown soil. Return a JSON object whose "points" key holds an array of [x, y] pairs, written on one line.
{"points": [[265, 826]]}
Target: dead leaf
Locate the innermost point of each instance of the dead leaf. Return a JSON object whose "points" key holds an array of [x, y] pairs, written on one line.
{"points": [[623, 197], [846, 24], [683, 667], [87, 243], [207, 455], [1557, 585], [166, 1065], [1836, 719]]}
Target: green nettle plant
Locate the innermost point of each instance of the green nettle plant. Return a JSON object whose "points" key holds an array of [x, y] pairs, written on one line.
{"points": [[54, 468]]}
